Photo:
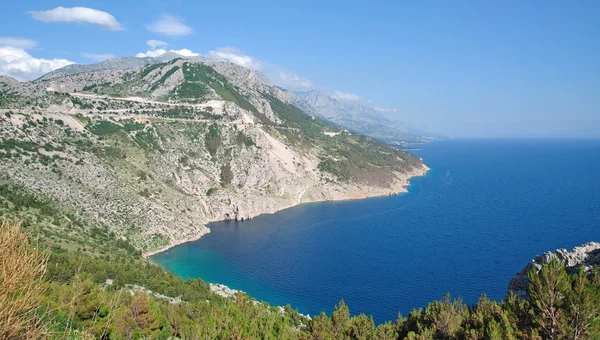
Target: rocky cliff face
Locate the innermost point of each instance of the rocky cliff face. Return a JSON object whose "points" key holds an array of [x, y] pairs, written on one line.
{"points": [[155, 153], [587, 255]]}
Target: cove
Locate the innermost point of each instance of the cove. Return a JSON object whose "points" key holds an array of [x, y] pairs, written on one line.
{"points": [[485, 209]]}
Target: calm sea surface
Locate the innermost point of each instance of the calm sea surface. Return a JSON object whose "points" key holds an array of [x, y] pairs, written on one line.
{"points": [[483, 211]]}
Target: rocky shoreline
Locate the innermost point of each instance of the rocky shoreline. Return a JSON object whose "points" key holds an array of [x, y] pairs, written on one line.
{"points": [[366, 192], [586, 255]]}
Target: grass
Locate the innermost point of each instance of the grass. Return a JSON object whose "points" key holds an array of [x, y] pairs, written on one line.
{"points": [[22, 288]]}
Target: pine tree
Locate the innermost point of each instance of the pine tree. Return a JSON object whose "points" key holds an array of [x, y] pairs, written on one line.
{"points": [[548, 292], [583, 307]]}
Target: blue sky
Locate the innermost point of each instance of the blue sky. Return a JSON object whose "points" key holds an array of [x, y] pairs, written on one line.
{"points": [[463, 68]]}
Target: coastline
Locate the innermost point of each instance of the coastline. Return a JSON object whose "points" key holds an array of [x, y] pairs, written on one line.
{"points": [[402, 187]]}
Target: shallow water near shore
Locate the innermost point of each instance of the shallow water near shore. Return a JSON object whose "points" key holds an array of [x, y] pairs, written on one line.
{"points": [[485, 209]]}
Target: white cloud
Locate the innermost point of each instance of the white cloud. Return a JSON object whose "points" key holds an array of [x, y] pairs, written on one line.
{"points": [[290, 80], [151, 53], [345, 95], [385, 110], [185, 52], [17, 63], [235, 56], [171, 26], [158, 52], [279, 75], [96, 57], [155, 44], [18, 42], [78, 15]]}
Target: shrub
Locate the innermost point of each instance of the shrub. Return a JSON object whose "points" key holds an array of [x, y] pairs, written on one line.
{"points": [[21, 285]]}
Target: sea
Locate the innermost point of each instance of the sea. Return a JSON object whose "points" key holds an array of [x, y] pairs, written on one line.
{"points": [[483, 211]]}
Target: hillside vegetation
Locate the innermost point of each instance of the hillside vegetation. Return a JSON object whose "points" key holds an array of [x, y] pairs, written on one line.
{"points": [[82, 296]]}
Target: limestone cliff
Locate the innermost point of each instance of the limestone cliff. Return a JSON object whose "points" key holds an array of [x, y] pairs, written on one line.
{"points": [[587, 255]]}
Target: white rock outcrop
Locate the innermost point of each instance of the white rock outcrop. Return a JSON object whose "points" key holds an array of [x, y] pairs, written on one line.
{"points": [[587, 255]]}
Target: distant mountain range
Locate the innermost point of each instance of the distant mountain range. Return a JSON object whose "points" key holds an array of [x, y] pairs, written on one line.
{"points": [[359, 118], [355, 117]]}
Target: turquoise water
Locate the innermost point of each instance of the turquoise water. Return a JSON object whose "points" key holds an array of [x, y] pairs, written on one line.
{"points": [[485, 209]]}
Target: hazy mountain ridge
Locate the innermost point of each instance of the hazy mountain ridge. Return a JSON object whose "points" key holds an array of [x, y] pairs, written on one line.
{"points": [[359, 118]]}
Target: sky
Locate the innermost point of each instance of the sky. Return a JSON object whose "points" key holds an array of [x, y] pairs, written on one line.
{"points": [[459, 68]]}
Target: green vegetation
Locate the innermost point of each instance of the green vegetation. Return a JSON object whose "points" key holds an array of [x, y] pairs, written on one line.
{"points": [[146, 70], [242, 139], [191, 90], [338, 169], [19, 145], [81, 103], [197, 77], [226, 174], [164, 77], [106, 128], [58, 226], [347, 156], [71, 295], [294, 118], [148, 141], [212, 140]]}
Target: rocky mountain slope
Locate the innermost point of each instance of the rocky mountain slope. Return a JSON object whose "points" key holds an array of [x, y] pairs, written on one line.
{"points": [[152, 154], [587, 255], [355, 117], [122, 63], [359, 118]]}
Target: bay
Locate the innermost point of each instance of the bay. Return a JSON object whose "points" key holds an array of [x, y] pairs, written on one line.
{"points": [[485, 209]]}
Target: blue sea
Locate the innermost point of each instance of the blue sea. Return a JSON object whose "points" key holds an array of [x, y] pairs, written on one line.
{"points": [[485, 209]]}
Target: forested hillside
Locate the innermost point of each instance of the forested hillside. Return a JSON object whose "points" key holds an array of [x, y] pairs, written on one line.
{"points": [[77, 295]]}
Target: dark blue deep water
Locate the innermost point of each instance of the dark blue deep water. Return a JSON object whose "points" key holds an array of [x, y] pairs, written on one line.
{"points": [[484, 210]]}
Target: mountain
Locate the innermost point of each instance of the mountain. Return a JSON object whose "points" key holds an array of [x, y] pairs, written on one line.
{"points": [[121, 63], [359, 118], [152, 154], [355, 117]]}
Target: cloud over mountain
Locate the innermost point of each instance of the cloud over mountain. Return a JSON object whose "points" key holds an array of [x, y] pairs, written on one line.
{"points": [[17, 63], [345, 96], [235, 56], [279, 75], [170, 25], [160, 51]]}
